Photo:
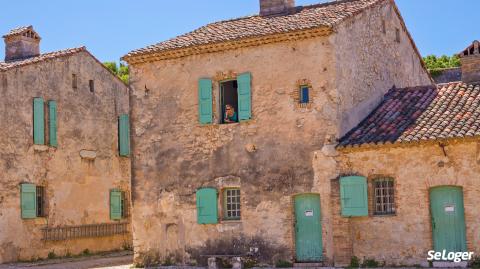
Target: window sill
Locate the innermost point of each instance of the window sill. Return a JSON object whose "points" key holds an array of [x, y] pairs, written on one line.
{"points": [[233, 221], [384, 215], [40, 148]]}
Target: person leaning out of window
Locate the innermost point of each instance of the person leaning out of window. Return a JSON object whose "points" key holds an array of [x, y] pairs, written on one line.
{"points": [[230, 114]]}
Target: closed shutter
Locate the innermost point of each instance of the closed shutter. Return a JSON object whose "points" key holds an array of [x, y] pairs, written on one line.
{"points": [[28, 200], [244, 96], [115, 205], [353, 194], [52, 123], [38, 122], [124, 135], [205, 112], [207, 208]]}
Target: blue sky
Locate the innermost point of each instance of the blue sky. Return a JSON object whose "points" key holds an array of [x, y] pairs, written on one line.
{"points": [[111, 28]]}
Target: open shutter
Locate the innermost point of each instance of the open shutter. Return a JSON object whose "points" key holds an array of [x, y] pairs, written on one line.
{"points": [[207, 209], [38, 122], [244, 96], [353, 194], [124, 135], [115, 205], [205, 112], [52, 123], [28, 200]]}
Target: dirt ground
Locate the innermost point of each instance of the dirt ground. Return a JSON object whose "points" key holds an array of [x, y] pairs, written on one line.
{"points": [[122, 260]]}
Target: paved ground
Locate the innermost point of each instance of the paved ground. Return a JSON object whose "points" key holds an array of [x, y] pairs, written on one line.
{"points": [[122, 260]]}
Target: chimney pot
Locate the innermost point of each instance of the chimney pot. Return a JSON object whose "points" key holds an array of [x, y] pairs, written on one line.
{"points": [[276, 7], [21, 43], [470, 60]]}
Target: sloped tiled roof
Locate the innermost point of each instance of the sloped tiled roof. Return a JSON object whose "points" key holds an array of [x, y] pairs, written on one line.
{"points": [[420, 114], [304, 18], [18, 31], [42, 57]]}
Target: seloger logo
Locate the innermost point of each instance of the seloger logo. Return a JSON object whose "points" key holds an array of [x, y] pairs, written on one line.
{"points": [[449, 256]]}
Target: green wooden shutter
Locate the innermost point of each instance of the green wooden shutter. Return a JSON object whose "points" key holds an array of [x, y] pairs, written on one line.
{"points": [[115, 205], [124, 135], [207, 207], [28, 200], [353, 194], [244, 96], [38, 122], [52, 123], [205, 111]]}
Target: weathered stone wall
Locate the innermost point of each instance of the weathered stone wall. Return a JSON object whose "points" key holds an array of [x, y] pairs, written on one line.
{"points": [[77, 190], [369, 62], [406, 237], [270, 154]]}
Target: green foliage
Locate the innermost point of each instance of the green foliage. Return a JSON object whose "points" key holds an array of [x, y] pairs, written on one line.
{"points": [[354, 262], [370, 263], [120, 70], [283, 264], [475, 262], [52, 255], [433, 63], [86, 252]]}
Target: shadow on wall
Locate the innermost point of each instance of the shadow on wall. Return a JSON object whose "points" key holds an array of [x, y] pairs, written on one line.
{"points": [[253, 250]]}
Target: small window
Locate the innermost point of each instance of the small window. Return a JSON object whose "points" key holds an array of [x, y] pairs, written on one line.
{"points": [[91, 85], [384, 27], [229, 97], [232, 204], [397, 35], [74, 81], [304, 95], [41, 208], [384, 202]]}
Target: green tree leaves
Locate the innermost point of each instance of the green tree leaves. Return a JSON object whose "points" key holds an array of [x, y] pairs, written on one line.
{"points": [[121, 70]]}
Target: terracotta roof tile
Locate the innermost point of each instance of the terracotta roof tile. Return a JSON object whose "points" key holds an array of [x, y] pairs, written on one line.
{"points": [[304, 18], [422, 113], [42, 57], [18, 30]]}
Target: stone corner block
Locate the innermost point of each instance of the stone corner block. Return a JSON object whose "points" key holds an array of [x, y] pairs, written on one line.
{"points": [[88, 154]]}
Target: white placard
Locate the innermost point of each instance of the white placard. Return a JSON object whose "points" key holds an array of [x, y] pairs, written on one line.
{"points": [[449, 208], [309, 213]]}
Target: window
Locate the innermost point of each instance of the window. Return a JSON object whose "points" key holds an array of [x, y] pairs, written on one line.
{"points": [[384, 203], [74, 81], [41, 208], [304, 95], [384, 26], [231, 204], [32, 200], [118, 205], [397, 35], [229, 101], [91, 84], [236, 93]]}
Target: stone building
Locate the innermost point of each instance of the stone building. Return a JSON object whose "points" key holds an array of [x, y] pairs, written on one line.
{"points": [[298, 79], [416, 160], [64, 183]]}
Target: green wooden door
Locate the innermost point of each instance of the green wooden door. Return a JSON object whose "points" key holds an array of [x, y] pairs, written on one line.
{"points": [[448, 219], [308, 228]]}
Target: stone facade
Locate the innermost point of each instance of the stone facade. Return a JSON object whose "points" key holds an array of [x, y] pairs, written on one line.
{"points": [[78, 174], [405, 237], [268, 157]]}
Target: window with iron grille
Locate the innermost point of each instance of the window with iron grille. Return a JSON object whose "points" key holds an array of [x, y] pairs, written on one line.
{"points": [[232, 204], [384, 193], [40, 191]]}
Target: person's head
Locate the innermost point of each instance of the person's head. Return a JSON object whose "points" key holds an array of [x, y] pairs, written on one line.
{"points": [[229, 109]]}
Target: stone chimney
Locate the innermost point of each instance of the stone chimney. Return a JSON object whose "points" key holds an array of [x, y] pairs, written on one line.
{"points": [[21, 43], [276, 7], [470, 59]]}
